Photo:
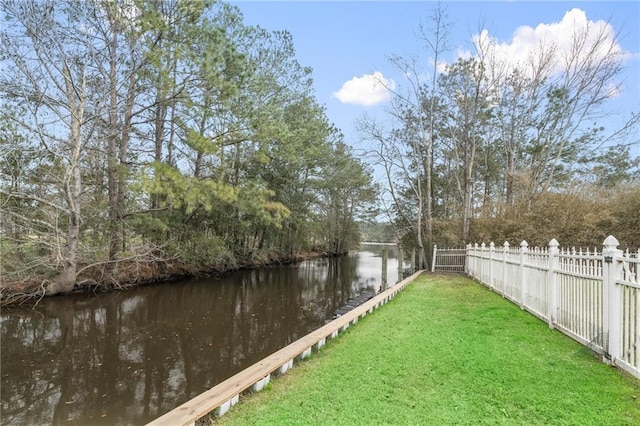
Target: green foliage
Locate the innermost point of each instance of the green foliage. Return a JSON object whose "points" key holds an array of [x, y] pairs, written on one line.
{"points": [[200, 143], [198, 250], [378, 232], [203, 142], [184, 191], [256, 204], [613, 167], [347, 193]]}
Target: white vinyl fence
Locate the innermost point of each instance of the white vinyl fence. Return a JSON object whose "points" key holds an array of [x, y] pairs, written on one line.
{"points": [[594, 297]]}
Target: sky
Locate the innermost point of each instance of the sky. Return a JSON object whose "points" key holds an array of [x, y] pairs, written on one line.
{"points": [[347, 44]]}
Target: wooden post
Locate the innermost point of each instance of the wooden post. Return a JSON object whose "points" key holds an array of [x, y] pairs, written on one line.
{"points": [[400, 263], [413, 260], [385, 257]]}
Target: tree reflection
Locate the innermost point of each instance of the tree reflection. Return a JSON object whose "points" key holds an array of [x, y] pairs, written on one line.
{"points": [[126, 358]]}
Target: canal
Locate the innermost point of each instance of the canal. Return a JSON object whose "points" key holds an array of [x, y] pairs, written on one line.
{"points": [[125, 358]]}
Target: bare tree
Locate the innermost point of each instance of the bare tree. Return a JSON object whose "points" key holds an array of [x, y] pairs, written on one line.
{"points": [[463, 125], [406, 151], [395, 158], [47, 75], [547, 109]]}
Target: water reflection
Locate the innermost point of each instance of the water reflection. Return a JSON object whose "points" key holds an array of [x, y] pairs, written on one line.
{"points": [[126, 358]]}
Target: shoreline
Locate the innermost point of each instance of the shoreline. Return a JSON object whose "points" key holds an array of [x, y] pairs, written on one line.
{"points": [[138, 274]]}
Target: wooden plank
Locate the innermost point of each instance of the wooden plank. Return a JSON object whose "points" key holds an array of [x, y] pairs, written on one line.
{"points": [[210, 400]]}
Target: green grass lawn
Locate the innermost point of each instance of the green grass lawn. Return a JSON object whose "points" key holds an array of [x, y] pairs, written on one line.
{"points": [[447, 351]]}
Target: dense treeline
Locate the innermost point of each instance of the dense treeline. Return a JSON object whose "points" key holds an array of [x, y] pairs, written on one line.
{"points": [[490, 149], [142, 139]]}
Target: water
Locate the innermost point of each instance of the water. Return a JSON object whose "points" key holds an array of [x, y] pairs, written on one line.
{"points": [[129, 357]]}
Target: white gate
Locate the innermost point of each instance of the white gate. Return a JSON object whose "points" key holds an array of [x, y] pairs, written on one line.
{"points": [[448, 259]]}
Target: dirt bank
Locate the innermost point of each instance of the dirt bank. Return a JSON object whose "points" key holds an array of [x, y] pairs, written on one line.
{"points": [[133, 274]]}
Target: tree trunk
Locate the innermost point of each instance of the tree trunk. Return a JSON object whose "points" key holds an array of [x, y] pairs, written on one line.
{"points": [[466, 212], [66, 279], [510, 177], [112, 151], [429, 195], [123, 169]]}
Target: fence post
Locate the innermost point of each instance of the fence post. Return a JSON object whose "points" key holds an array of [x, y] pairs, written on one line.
{"points": [[524, 248], [467, 262], [476, 267], [433, 261], [482, 278], [611, 297], [505, 252], [552, 291], [492, 248]]}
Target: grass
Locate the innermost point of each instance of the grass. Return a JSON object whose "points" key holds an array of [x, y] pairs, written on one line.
{"points": [[447, 351]]}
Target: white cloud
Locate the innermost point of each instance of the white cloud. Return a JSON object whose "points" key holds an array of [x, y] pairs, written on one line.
{"points": [[527, 43], [368, 90]]}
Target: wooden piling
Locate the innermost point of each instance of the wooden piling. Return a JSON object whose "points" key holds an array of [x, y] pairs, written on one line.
{"points": [[385, 258], [400, 262]]}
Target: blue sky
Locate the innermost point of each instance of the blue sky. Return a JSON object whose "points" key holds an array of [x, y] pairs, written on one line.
{"points": [[346, 40]]}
